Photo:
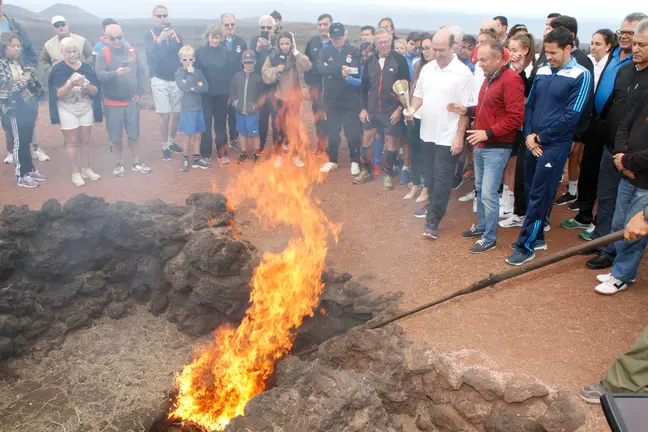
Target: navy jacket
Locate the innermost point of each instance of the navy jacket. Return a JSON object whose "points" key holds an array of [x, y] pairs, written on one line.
{"points": [[261, 57], [234, 60], [213, 61], [163, 61], [556, 102], [377, 93], [313, 50], [337, 90], [29, 56]]}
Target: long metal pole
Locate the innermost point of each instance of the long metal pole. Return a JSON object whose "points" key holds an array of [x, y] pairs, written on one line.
{"points": [[500, 277]]}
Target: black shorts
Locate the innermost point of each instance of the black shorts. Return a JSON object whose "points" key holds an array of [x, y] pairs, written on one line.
{"points": [[382, 122]]}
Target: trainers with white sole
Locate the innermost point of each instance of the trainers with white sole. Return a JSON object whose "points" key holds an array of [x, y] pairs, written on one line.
{"points": [[470, 196], [355, 168], [78, 180], [140, 167], [298, 162], [27, 182], [37, 176], [9, 159], [328, 167], [40, 154], [604, 278], [119, 170], [514, 221], [87, 173], [611, 286]]}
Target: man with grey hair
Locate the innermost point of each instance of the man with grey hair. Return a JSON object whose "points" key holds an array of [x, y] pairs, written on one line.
{"points": [[262, 45], [236, 47]]}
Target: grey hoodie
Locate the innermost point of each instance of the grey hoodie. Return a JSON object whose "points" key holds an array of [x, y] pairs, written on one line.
{"points": [[192, 85]]}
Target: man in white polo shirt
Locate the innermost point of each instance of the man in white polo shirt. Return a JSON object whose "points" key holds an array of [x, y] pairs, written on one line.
{"points": [[441, 82]]}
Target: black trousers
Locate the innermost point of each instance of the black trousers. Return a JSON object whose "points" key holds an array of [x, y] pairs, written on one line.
{"points": [[19, 127], [265, 111], [338, 118], [318, 111], [440, 165], [415, 144], [215, 110], [231, 123], [595, 140], [520, 205]]}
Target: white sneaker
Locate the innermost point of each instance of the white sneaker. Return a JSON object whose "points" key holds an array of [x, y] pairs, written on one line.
{"points": [[298, 162], [225, 160], [611, 286], [547, 228], [475, 206], [505, 212], [119, 170], [513, 221], [355, 169], [470, 196], [604, 278], [27, 182], [87, 173], [278, 161], [40, 154], [140, 167], [328, 167], [78, 180], [9, 159]]}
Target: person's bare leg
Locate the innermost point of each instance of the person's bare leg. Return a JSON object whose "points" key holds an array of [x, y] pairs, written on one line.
{"points": [[164, 128], [85, 132], [118, 149], [71, 138], [195, 145], [574, 161], [254, 142], [133, 145], [509, 173], [184, 141], [173, 126]]}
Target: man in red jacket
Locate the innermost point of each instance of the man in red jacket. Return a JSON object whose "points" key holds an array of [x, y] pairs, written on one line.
{"points": [[498, 116]]}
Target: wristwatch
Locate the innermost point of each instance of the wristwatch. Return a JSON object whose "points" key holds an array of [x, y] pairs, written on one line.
{"points": [[535, 138], [645, 215]]}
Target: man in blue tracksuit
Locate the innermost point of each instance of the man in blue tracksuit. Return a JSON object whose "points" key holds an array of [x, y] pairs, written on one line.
{"points": [[558, 97]]}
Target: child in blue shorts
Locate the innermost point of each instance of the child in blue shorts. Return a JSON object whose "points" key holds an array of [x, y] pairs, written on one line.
{"points": [[245, 96], [192, 83]]}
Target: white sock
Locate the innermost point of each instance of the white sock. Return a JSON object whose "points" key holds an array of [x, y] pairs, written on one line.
{"points": [[504, 189], [573, 188], [509, 201], [405, 168]]}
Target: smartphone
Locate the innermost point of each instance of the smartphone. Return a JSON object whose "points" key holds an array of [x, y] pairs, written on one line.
{"points": [[353, 71], [167, 25], [265, 35]]}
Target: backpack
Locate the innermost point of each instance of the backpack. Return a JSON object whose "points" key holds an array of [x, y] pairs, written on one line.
{"points": [[106, 51]]}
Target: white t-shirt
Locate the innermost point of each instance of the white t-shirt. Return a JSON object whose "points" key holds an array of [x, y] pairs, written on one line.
{"points": [[598, 67], [439, 87]]}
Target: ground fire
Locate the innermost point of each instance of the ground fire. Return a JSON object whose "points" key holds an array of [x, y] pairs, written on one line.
{"points": [[286, 287]]}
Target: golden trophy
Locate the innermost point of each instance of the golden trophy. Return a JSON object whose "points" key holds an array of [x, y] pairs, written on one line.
{"points": [[401, 88]]}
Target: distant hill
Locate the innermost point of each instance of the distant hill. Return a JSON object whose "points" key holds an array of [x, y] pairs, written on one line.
{"points": [[71, 13], [19, 13]]}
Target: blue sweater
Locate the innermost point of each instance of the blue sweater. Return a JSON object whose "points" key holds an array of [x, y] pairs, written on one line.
{"points": [[162, 58], [556, 102]]}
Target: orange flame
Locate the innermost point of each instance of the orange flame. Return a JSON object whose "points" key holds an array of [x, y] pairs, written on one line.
{"points": [[226, 374]]}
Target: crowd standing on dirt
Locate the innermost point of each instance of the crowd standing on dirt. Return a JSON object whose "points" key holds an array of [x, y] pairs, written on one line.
{"points": [[496, 109]]}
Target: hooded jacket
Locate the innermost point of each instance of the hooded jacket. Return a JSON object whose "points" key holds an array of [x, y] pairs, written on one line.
{"points": [[246, 92], [556, 102], [500, 108], [632, 140], [287, 86]]}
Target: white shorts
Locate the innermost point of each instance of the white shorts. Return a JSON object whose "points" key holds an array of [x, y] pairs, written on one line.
{"points": [[167, 96], [71, 121]]}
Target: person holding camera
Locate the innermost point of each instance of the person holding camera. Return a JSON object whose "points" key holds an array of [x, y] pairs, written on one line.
{"points": [[74, 103], [122, 76], [338, 64], [281, 70], [262, 46], [162, 44], [20, 92]]}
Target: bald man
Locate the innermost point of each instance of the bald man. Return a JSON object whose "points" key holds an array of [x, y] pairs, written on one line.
{"points": [[123, 79]]}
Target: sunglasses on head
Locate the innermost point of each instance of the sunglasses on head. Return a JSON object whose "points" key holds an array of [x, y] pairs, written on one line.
{"points": [[187, 59], [266, 27], [114, 38], [161, 16], [59, 24]]}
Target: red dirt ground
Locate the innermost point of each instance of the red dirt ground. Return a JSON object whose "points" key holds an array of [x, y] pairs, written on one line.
{"points": [[549, 324]]}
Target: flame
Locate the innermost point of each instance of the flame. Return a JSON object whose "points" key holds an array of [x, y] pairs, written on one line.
{"points": [[227, 373]]}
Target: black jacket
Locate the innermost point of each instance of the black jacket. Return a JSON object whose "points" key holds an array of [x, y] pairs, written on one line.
{"points": [[214, 62], [261, 57], [632, 140], [337, 91], [377, 82], [313, 50], [162, 58], [246, 92], [586, 117], [234, 59], [629, 85]]}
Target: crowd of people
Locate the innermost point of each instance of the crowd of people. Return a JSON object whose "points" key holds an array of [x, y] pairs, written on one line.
{"points": [[497, 108]]}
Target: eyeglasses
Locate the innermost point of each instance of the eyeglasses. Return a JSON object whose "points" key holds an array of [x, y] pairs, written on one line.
{"points": [[114, 38], [187, 59], [628, 33], [266, 27], [59, 24], [229, 25], [161, 16]]}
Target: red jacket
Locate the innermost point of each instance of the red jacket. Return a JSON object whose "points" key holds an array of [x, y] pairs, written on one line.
{"points": [[500, 108]]}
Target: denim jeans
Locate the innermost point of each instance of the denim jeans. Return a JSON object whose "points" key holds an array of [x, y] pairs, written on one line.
{"points": [[489, 166], [630, 201], [608, 186]]}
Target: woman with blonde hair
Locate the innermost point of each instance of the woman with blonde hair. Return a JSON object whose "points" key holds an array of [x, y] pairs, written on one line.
{"points": [[75, 103], [281, 69]]}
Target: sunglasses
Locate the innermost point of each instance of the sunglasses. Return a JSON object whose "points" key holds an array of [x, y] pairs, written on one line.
{"points": [[59, 24], [187, 59], [161, 16], [114, 38], [229, 25], [628, 33], [266, 27]]}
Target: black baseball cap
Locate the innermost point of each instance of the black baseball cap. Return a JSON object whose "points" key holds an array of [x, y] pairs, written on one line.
{"points": [[249, 56], [337, 30]]}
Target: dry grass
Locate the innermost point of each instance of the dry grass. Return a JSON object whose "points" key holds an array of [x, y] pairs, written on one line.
{"points": [[111, 377]]}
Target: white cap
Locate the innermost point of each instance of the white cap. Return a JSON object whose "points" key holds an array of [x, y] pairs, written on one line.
{"points": [[58, 18]]}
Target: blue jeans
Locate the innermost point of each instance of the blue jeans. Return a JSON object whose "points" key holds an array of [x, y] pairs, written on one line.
{"points": [[630, 201], [489, 166], [608, 186]]}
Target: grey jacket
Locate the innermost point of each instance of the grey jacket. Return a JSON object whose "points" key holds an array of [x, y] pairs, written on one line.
{"points": [[192, 85], [246, 92], [116, 88]]}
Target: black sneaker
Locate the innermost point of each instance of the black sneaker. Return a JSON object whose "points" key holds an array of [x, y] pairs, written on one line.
{"points": [[482, 246], [431, 232], [175, 148], [471, 233], [166, 154], [575, 206], [201, 163], [255, 156], [185, 165], [567, 198], [242, 157], [420, 213]]}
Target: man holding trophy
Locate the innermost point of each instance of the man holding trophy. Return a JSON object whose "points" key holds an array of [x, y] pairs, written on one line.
{"points": [[443, 81]]}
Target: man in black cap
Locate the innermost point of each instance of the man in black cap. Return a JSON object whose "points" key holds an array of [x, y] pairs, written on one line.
{"points": [[337, 63]]}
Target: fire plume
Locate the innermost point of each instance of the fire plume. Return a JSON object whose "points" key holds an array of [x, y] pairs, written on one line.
{"points": [[226, 374]]}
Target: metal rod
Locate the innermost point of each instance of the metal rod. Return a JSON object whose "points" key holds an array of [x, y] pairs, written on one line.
{"points": [[493, 279]]}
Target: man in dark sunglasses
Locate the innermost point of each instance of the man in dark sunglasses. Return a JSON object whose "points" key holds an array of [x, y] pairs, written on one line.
{"points": [[52, 53], [236, 47], [162, 44]]}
